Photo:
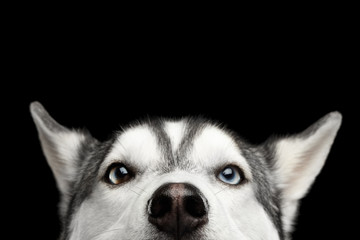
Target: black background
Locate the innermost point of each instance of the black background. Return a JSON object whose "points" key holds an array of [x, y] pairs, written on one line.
{"points": [[274, 78]]}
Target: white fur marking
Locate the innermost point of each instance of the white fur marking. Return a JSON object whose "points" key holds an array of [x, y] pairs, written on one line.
{"points": [[138, 146], [214, 146], [175, 131]]}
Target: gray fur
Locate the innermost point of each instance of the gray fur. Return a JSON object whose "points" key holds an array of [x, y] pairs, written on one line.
{"points": [[38, 111], [194, 126], [93, 153], [91, 156], [157, 126], [266, 192]]}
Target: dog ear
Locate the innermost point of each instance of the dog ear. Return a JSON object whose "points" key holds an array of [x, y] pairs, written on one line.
{"points": [[61, 146], [299, 159]]}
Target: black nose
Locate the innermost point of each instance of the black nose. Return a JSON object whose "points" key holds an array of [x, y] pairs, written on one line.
{"points": [[178, 209]]}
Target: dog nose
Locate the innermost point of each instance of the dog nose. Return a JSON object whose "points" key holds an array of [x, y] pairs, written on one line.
{"points": [[178, 209]]}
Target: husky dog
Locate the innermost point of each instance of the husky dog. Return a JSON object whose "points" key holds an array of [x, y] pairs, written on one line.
{"points": [[184, 179]]}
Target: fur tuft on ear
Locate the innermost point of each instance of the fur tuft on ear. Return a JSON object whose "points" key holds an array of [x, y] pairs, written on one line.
{"points": [[61, 148], [299, 159]]}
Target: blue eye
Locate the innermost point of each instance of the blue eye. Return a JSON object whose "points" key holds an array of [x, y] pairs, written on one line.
{"points": [[230, 175]]}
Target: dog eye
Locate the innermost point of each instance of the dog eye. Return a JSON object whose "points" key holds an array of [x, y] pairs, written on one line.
{"points": [[117, 173], [231, 175]]}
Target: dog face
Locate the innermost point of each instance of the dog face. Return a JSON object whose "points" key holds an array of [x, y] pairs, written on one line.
{"points": [[185, 179]]}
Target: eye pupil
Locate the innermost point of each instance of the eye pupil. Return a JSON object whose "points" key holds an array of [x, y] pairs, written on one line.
{"points": [[228, 173]]}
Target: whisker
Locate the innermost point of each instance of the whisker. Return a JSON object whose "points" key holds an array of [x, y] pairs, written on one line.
{"points": [[141, 189], [107, 231], [134, 191], [221, 190]]}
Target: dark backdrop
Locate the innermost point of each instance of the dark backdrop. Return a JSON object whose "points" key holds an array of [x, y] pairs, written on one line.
{"points": [[254, 112], [268, 80]]}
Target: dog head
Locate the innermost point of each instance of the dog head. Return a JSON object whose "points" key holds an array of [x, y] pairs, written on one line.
{"points": [[184, 179]]}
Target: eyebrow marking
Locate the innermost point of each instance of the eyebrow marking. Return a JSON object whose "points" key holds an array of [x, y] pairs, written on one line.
{"points": [[157, 126], [172, 159], [193, 128]]}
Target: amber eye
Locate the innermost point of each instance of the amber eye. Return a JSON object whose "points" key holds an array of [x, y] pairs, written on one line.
{"points": [[117, 173]]}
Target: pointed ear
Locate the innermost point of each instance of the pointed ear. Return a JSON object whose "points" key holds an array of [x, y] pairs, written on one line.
{"points": [[299, 159], [60, 145]]}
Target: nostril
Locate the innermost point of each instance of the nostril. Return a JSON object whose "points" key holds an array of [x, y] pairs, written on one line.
{"points": [[194, 205], [178, 209], [159, 206]]}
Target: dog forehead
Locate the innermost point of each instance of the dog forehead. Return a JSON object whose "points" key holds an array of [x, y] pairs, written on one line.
{"points": [[176, 144], [217, 147], [137, 145]]}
